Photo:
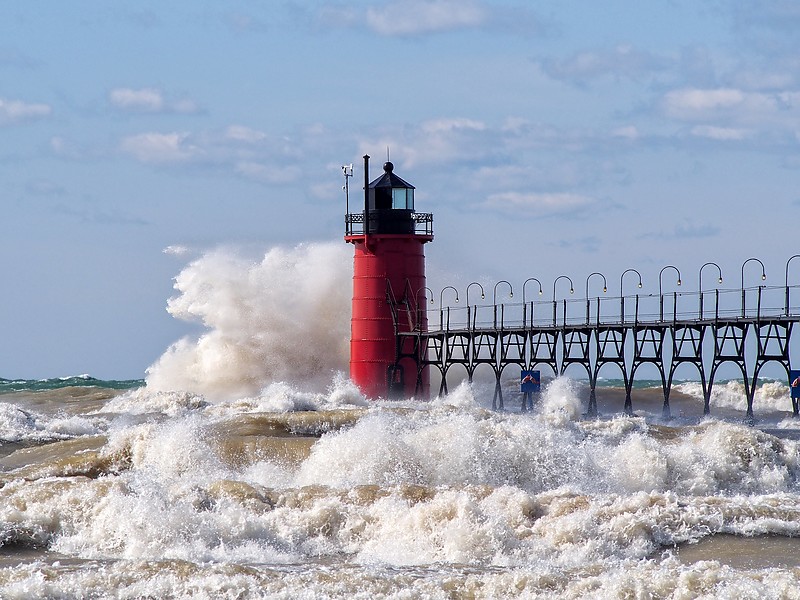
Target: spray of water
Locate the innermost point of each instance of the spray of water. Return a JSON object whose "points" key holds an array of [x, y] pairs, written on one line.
{"points": [[284, 317]]}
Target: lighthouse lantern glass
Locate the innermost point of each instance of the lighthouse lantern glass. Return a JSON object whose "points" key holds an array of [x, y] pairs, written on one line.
{"points": [[403, 198]]}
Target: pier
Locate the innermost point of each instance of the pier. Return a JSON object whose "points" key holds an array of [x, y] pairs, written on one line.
{"points": [[748, 326]]}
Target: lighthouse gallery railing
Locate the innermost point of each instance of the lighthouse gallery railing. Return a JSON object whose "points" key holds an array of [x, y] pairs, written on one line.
{"points": [[423, 223]]}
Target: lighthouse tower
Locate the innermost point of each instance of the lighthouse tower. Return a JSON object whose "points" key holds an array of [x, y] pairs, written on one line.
{"points": [[388, 276]]}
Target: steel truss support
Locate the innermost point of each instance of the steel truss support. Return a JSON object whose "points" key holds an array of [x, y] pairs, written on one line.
{"points": [[648, 348], [667, 345]]}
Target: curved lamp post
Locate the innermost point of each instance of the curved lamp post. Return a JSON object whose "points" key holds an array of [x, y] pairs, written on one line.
{"points": [[526, 283], [786, 281], [763, 272], [494, 298], [427, 291], [605, 289], [571, 291], [525, 306], [700, 283], [494, 293], [483, 295], [441, 309], [441, 295], [763, 277], [661, 294], [621, 297]]}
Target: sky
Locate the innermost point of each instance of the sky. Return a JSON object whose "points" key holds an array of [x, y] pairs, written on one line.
{"points": [[548, 138]]}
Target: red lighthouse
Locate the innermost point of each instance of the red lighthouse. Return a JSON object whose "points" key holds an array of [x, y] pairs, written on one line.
{"points": [[388, 276]]}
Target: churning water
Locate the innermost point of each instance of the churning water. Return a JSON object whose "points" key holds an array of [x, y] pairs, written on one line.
{"points": [[248, 466]]}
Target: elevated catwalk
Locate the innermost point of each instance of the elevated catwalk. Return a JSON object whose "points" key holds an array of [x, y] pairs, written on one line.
{"points": [[748, 327]]}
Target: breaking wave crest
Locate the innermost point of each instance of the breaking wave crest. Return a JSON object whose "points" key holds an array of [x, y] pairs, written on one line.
{"points": [[769, 395], [284, 317]]}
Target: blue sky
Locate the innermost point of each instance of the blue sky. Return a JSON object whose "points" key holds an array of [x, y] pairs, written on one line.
{"points": [[547, 138]]}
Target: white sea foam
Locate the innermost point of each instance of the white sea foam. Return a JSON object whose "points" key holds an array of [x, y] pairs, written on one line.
{"points": [[442, 446], [560, 402], [553, 503], [462, 396], [666, 578], [22, 425], [770, 396], [277, 397], [145, 400], [284, 317], [284, 397], [16, 423]]}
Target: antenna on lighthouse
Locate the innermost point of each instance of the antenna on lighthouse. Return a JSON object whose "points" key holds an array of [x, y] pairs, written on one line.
{"points": [[347, 170]]}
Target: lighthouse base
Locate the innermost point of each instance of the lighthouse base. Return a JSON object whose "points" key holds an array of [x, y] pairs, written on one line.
{"points": [[389, 297]]}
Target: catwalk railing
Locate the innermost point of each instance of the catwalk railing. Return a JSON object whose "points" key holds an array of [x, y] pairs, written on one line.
{"points": [[747, 327]]}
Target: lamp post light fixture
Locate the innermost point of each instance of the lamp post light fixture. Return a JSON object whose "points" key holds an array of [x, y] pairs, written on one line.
{"points": [[524, 305], [483, 295], [786, 281], [441, 302], [526, 283], [621, 297], [420, 308], [469, 310], [661, 293], [763, 271], [763, 277], [605, 289], [427, 291], [441, 295], [700, 283], [494, 297], [510, 290], [571, 291]]}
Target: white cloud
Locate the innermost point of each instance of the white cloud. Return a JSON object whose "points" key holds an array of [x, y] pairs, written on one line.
{"points": [[448, 125], [729, 113], [719, 133], [420, 17], [66, 148], [629, 132], [240, 133], [692, 102], [623, 60], [415, 17], [535, 205], [327, 191], [236, 149], [160, 147], [760, 80], [683, 231], [176, 250], [272, 174], [16, 111], [184, 106], [436, 141], [516, 124], [148, 100]]}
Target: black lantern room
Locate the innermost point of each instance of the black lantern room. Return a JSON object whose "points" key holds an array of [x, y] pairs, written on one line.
{"points": [[391, 203]]}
